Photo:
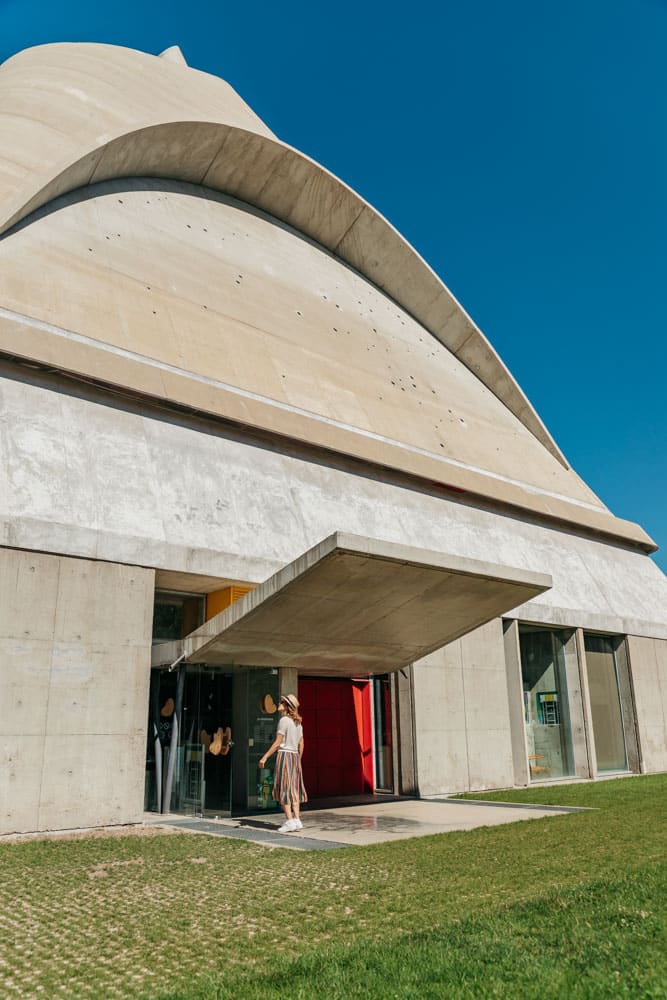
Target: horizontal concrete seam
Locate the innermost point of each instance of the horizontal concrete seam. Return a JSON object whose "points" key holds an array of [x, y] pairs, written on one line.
{"points": [[269, 401], [409, 478]]}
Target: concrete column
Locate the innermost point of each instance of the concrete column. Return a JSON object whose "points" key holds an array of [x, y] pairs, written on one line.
{"points": [[403, 726], [579, 727], [75, 639], [488, 731], [648, 667], [240, 735], [515, 699], [288, 681], [628, 707], [592, 769], [440, 725], [462, 722]]}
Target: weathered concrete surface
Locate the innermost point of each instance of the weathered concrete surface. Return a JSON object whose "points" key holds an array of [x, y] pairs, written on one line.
{"points": [[512, 657], [46, 96], [74, 666], [648, 665], [352, 345], [212, 505], [166, 282], [157, 118], [462, 721], [575, 713], [353, 606], [381, 822], [217, 506]]}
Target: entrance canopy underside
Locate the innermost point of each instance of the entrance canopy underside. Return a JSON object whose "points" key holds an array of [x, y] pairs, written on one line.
{"points": [[355, 606]]}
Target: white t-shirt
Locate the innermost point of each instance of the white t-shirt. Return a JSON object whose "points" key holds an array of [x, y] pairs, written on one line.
{"points": [[291, 732]]}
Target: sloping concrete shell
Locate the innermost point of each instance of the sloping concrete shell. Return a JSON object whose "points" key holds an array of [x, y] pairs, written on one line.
{"points": [[76, 115], [355, 605], [47, 95], [263, 323]]}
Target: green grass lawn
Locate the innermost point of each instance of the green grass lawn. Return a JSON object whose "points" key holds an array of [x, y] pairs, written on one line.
{"points": [[569, 906]]}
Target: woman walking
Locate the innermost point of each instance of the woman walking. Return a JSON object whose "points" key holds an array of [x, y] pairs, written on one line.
{"points": [[288, 787]]}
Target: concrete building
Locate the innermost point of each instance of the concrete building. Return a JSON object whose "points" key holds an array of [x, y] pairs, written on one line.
{"points": [[252, 444]]}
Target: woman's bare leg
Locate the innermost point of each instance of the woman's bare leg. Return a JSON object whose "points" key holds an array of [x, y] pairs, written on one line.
{"points": [[287, 809]]}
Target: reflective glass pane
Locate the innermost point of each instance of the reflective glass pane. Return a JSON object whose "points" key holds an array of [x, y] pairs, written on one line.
{"points": [[210, 740], [605, 703], [382, 733], [176, 615], [190, 747], [263, 717], [545, 702]]}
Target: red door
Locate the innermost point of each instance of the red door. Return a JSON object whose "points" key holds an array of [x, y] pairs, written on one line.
{"points": [[338, 753]]}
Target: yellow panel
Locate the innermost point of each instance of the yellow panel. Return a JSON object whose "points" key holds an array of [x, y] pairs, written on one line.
{"points": [[221, 599]]}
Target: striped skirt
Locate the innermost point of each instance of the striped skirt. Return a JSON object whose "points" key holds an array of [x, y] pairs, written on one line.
{"points": [[288, 783]]}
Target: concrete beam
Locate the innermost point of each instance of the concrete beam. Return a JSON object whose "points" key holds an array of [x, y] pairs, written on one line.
{"points": [[354, 605]]}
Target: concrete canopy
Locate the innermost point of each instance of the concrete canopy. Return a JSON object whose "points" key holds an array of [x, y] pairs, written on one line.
{"points": [[355, 606]]}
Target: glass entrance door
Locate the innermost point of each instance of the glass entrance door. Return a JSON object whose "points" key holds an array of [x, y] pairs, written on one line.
{"points": [[190, 747]]}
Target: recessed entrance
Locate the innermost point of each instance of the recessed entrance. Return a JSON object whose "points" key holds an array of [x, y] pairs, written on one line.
{"points": [[208, 726], [347, 730]]}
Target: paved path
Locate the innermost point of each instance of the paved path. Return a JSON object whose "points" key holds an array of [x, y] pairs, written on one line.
{"points": [[370, 823]]}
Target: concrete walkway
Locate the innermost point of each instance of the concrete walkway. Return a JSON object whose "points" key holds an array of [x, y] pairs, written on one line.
{"points": [[374, 822]]}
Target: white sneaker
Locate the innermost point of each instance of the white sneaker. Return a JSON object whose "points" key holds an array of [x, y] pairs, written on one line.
{"points": [[298, 825], [288, 826]]}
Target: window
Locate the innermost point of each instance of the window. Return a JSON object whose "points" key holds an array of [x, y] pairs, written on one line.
{"points": [[175, 615], [381, 693], [545, 702], [606, 709]]}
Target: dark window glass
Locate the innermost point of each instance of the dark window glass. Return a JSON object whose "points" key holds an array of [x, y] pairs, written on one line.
{"points": [[545, 703]]}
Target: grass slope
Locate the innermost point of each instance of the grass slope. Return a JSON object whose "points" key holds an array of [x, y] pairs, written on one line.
{"points": [[593, 942], [570, 906]]}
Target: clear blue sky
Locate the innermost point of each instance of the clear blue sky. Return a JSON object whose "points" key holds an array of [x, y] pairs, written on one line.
{"points": [[520, 146]]}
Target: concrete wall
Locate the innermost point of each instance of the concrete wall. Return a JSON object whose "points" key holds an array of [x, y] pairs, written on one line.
{"points": [[74, 671], [183, 495], [253, 323], [468, 710], [648, 665], [462, 718]]}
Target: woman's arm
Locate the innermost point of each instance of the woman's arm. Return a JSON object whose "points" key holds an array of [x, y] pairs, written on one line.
{"points": [[301, 748], [277, 743]]}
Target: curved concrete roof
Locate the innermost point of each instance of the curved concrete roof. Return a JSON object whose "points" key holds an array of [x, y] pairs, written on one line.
{"points": [[79, 115], [186, 281], [75, 114]]}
